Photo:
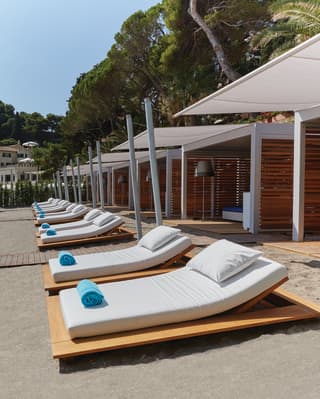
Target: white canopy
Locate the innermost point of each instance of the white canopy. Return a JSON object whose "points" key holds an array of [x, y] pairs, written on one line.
{"points": [[119, 157], [290, 82], [177, 136]]}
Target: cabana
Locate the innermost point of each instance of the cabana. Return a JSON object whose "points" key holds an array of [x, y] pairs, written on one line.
{"points": [[244, 158], [290, 82]]}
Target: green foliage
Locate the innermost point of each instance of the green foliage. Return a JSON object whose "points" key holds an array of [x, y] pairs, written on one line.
{"points": [[28, 127], [50, 158], [24, 193], [293, 21]]}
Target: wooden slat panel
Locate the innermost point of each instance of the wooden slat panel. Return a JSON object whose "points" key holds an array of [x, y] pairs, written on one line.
{"points": [[276, 184], [175, 199], [121, 190], [146, 195], [232, 178], [312, 180]]}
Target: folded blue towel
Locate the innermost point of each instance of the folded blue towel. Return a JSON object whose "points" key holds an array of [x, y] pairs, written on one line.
{"points": [[51, 232], [45, 226], [66, 258], [42, 215], [39, 208], [89, 293]]}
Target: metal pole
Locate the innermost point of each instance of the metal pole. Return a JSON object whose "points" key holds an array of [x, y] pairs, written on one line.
{"points": [[93, 191], [73, 183], [100, 175], [79, 181], [59, 184], [109, 183], [54, 186], [65, 181], [133, 174], [153, 162]]}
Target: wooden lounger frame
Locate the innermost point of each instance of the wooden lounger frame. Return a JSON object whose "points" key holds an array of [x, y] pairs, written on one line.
{"points": [[114, 234], [66, 220], [273, 306], [53, 288]]}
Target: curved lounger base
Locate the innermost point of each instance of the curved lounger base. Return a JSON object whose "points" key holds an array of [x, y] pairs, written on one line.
{"points": [[74, 219], [275, 306], [114, 234], [53, 288]]}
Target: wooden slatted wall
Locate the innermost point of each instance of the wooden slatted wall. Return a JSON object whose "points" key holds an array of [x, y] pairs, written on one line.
{"points": [[146, 195], [312, 180], [121, 190], [175, 198], [195, 190], [232, 178], [276, 184]]}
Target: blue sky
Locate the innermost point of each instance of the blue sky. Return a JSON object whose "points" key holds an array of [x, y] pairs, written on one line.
{"points": [[46, 44]]}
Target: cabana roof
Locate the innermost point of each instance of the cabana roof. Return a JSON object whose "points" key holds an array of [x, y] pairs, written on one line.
{"points": [[295, 86], [119, 157], [177, 136]]}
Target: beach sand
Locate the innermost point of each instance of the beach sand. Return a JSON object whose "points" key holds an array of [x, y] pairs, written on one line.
{"points": [[269, 362]]}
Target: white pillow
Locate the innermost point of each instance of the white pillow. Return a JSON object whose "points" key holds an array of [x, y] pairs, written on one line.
{"points": [[103, 219], [223, 259], [158, 237], [92, 214], [77, 208]]}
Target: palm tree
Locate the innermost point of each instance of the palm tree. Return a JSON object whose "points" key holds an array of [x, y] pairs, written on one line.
{"points": [[293, 22]]}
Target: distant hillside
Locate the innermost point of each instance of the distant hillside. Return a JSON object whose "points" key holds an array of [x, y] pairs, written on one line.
{"points": [[23, 126]]}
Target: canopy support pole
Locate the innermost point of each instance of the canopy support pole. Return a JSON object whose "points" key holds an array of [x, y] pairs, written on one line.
{"points": [[100, 175], [133, 175], [59, 184], [79, 181], [153, 162], [73, 182], [65, 182], [298, 179], [92, 179]]}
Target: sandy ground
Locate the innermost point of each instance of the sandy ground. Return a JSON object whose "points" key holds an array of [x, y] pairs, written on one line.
{"points": [[270, 362]]}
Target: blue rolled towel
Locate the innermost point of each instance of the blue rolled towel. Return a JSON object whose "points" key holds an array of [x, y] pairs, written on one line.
{"points": [[45, 226], [66, 258], [39, 208], [42, 215], [51, 232], [89, 293]]}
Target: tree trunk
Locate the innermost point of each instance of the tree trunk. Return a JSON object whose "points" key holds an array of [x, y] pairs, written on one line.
{"points": [[230, 73]]}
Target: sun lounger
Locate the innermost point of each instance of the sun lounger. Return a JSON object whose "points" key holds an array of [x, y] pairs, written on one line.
{"points": [[50, 201], [85, 221], [59, 206], [119, 264], [76, 212], [186, 302], [103, 228]]}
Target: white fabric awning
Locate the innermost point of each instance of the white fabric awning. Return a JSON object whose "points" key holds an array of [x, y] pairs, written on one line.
{"points": [[290, 82], [119, 157], [166, 137]]}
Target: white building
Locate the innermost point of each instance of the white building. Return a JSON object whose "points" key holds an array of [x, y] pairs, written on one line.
{"points": [[16, 164]]}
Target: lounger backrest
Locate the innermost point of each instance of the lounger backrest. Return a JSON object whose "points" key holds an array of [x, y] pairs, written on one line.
{"points": [[70, 207], [158, 237], [92, 214], [78, 208], [103, 219]]}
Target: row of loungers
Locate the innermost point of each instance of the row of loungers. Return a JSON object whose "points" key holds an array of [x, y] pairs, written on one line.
{"points": [[78, 225], [224, 287]]}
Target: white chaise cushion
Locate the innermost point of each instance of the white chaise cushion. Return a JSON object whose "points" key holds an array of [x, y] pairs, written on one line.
{"points": [[223, 259], [103, 219], [158, 237], [78, 208], [92, 214]]}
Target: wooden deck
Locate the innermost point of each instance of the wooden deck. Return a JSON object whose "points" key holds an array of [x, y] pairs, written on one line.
{"points": [[309, 248]]}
